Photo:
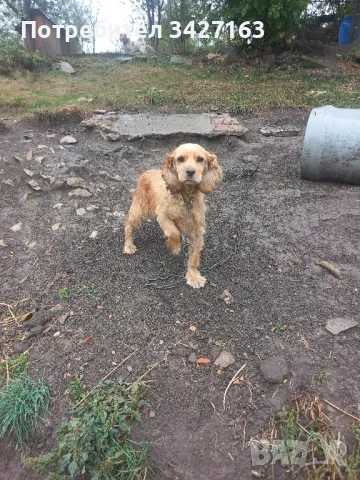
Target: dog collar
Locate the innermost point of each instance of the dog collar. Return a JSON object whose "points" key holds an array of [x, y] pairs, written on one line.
{"points": [[183, 198]]}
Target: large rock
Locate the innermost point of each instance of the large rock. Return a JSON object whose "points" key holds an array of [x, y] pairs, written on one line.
{"points": [[338, 325], [66, 68], [274, 369], [224, 360]]}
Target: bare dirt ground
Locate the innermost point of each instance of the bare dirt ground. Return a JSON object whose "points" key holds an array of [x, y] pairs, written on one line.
{"points": [[265, 230]]}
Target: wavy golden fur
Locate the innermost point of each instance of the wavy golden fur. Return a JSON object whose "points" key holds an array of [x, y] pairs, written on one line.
{"points": [[189, 173]]}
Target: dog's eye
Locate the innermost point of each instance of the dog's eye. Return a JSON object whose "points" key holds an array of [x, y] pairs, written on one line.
{"points": [[181, 159], [200, 159]]}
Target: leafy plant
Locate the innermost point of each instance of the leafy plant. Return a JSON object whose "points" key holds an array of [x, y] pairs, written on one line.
{"points": [[94, 439], [323, 377], [22, 404], [13, 56], [280, 17], [18, 366], [64, 292], [279, 328]]}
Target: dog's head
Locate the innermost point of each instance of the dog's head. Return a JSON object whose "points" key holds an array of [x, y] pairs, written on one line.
{"points": [[123, 38], [190, 164]]}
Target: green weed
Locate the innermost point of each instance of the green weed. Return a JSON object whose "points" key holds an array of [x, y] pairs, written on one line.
{"points": [[94, 439], [323, 377], [64, 292], [279, 328]]}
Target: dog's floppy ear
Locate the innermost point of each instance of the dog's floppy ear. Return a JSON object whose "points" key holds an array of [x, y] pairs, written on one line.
{"points": [[211, 176], [170, 175]]}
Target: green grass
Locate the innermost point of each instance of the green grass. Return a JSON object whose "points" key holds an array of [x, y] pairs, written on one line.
{"points": [[279, 328], [22, 404], [94, 439], [239, 88], [323, 377], [18, 366], [304, 420], [67, 292]]}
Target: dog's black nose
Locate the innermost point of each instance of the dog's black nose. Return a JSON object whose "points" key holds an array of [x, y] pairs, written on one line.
{"points": [[190, 172]]}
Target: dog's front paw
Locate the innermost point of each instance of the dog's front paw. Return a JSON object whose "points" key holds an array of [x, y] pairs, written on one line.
{"points": [[174, 245], [130, 249], [195, 279]]}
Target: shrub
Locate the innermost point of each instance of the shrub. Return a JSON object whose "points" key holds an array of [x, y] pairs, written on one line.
{"points": [[13, 56], [94, 439]]}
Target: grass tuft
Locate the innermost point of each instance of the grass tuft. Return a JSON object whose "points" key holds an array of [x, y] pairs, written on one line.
{"points": [[22, 404]]}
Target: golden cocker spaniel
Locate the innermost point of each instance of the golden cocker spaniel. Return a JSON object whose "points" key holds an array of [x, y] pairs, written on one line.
{"points": [[175, 197]]}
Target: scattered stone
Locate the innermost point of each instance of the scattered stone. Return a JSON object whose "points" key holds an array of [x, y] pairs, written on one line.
{"points": [[129, 368], [227, 297], [68, 140], [66, 68], [80, 192], [279, 131], [63, 318], [338, 325], [56, 334], [80, 212], [81, 183], [41, 147], [274, 369], [31, 245], [34, 184], [9, 182], [100, 112], [192, 358], [29, 156], [16, 227], [52, 150], [152, 414], [203, 361], [56, 227], [39, 159], [58, 205], [224, 360], [112, 137], [2, 243], [28, 136], [118, 214], [39, 318], [250, 171], [35, 331], [18, 159], [91, 208], [94, 234], [29, 173], [21, 347]]}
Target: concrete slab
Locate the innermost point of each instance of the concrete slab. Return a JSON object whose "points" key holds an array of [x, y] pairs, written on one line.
{"points": [[145, 125], [115, 127]]}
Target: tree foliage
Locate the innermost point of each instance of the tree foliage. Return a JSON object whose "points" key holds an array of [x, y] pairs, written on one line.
{"points": [[280, 17]]}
